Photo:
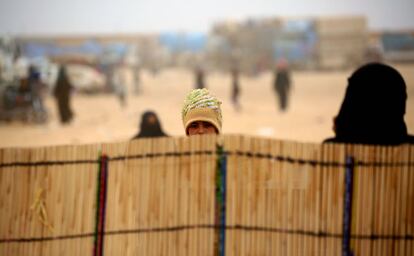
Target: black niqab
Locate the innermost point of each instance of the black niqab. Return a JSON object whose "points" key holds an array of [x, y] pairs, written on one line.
{"points": [[150, 128], [373, 109]]}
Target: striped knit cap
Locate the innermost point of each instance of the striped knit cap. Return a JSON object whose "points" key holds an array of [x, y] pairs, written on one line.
{"points": [[199, 105]]}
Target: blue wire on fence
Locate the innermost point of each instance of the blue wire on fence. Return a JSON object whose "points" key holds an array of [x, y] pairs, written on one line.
{"points": [[220, 205], [347, 214]]}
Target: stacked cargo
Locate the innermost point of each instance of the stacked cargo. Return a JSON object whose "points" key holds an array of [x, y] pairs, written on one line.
{"points": [[325, 43], [398, 46], [296, 42], [341, 41], [246, 44]]}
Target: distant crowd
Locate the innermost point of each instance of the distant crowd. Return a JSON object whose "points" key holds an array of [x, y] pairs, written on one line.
{"points": [[372, 111]]}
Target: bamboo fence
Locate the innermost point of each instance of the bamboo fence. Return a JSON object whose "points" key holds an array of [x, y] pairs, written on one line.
{"points": [[207, 195]]}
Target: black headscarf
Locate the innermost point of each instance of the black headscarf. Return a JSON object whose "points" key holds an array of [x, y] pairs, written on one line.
{"points": [[373, 109], [63, 85], [148, 127]]}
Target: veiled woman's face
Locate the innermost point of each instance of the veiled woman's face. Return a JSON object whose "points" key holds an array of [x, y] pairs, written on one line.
{"points": [[152, 119], [201, 127]]}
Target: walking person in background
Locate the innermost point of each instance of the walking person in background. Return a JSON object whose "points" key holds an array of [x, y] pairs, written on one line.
{"points": [[373, 108], [282, 83], [199, 78], [201, 113], [137, 79], [150, 126], [62, 93], [119, 84], [235, 88]]}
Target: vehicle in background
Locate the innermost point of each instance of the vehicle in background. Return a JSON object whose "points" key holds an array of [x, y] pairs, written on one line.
{"points": [[398, 46], [86, 79], [17, 104]]}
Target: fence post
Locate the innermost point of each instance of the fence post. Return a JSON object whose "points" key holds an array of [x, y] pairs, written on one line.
{"points": [[102, 184], [347, 214], [220, 205]]}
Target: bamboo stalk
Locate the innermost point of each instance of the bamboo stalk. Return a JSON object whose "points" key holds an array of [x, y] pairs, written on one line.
{"points": [[327, 203], [139, 170], [91, 172], [239, 192], [177, 196], [255, 197], [202, 198], [3, 195], [198, 176], [239, 189], [243, 188], [356, 200], [193, 173], [410, 206], [143, 171], [314, 190], [394, 210], [383, 203], [318, 248], [267, 174], [57, 197], [166, 192], [335, 201], [250, 199], [13, 208], [173, 162], [267, 178], [404, 190], [294, 173], [255, 194], [398, 187], [205, 200], [231, 200], [302, 150], [301, 217], [242, 196], [394, 187], [257, 189], [323, 205], [369, 215], [379, 202], [212, 160], [185, 198], [283, 197], [153, 209], [329, 183], [360, 208], [339, 157], [307, 192], [272, 188]]}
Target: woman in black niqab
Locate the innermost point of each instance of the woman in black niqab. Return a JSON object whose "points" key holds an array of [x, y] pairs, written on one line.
{"points": [[373, 109], [62, 93], [150, 126]]}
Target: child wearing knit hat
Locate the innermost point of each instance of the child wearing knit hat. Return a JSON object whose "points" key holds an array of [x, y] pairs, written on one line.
{"points": [[201, 113]]}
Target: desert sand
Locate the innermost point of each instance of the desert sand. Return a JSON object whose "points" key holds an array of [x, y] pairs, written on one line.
{"points": [[314, 101]]}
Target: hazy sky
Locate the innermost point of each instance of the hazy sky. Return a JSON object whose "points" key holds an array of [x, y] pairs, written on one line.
{"points": [[119, 16]]}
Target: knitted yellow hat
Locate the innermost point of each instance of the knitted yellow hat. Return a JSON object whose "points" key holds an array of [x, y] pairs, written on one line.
{"points": [[199, 105]]}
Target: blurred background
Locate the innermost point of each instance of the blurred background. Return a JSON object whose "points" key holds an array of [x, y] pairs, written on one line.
{"points": [[123, 58]]}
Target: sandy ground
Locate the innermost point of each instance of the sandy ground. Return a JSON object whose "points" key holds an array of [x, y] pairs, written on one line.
{"points": [[315, 99]]}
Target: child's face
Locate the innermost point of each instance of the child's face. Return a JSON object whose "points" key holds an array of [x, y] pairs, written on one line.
{"points": [[201, 127]]}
